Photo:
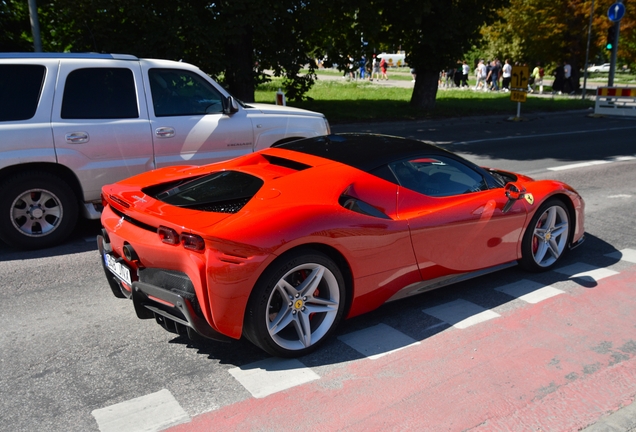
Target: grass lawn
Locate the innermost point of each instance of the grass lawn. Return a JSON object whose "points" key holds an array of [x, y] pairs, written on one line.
{"points": [[358, 101]]}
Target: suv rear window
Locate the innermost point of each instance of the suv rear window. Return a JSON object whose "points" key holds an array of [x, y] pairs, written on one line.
{"points": [[100, 93], [20, 87]]}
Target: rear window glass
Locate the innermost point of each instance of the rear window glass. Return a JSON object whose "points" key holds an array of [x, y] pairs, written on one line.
{"points": [[100, 93], [222, 192], [20, 87]]}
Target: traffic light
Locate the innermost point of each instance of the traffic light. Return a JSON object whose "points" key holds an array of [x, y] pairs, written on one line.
{"points": [[611, 37]]}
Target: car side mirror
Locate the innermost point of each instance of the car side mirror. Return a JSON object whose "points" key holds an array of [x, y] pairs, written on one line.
{"points": [[514, 192], [230, 106]]}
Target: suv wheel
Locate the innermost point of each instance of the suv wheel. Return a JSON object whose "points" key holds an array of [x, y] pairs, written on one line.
{"points": [[37, 210]]}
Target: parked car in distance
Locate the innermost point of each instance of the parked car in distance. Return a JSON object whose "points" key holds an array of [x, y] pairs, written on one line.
{"points": [[71, 123], [605, 67], [280, 245]]}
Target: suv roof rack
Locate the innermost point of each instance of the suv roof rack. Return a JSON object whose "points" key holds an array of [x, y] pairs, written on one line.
{"points": [[67, 55]]}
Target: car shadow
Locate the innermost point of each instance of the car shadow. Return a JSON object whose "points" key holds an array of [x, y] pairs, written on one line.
{"points": [[407, 318]]}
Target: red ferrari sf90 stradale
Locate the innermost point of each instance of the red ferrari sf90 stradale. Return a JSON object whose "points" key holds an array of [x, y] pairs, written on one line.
{"points": [[278, 246]]}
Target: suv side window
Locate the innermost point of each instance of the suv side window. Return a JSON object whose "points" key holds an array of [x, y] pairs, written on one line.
{"points": [[438, 176], [100, 93], [20, 87], [179, 93]]}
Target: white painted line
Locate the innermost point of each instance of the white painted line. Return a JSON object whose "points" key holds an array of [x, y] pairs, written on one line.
{"points": [[586, 271], [272, 375], [628, 255], [153, 412], [377, 341], [534, 136], [624, 158], [620, 196], [461, 313], [579, 165], [529, 291]]}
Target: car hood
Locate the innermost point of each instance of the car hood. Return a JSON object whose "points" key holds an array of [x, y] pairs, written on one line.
{"points": [[280, 110]]}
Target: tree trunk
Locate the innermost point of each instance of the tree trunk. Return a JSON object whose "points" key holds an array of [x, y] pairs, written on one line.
{"points": [[425, 90], [239, 69]]}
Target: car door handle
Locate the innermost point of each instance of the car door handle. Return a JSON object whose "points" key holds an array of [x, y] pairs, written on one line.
{"points": [[164, 132], [76, 137]]}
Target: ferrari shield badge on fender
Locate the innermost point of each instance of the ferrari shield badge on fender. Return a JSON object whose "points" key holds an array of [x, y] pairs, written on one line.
{"points": [[529, 198]]}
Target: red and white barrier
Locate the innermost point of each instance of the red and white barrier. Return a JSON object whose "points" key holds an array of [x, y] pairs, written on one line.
{"points": [[615, 101]]}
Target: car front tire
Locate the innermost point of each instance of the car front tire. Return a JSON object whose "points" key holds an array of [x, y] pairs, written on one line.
{"points": [[37, 210], [546, 238], [296, 304]]}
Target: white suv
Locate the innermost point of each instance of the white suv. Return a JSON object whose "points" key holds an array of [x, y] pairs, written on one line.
{"points": [[71, 123]]}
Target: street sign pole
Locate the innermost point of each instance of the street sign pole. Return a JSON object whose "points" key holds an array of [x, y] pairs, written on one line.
{"points": [[610, 79], [615, 13]]}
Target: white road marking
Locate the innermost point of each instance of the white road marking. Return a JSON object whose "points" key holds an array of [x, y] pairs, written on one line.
{"points": [[628, 255], [620, 196], [508, 138], [153, 412], [529, 291], [461, 313], [579, 165], [377, 341], [272, 375], [586, 271]]}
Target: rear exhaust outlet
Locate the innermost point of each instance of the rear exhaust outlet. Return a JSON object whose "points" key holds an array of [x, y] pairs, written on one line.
{"points": [[130, 254]]}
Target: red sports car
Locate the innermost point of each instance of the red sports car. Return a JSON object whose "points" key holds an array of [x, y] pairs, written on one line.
{"points": [[278, 246]]}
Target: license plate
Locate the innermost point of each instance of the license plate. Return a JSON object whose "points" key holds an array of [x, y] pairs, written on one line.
{"points": [[118, 269]]}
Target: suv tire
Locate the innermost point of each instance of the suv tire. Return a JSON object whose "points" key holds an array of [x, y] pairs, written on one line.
{"points": [[37, 210]]}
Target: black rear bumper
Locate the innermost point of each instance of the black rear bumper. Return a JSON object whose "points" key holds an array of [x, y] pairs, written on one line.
{"points": [[154, 302], [173, 304]]}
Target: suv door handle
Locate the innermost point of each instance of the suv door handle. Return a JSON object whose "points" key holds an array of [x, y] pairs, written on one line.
{"points": [[164, 132], [76, 137]]}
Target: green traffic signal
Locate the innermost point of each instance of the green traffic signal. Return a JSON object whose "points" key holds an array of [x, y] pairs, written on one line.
{"points": [[611, 37]]}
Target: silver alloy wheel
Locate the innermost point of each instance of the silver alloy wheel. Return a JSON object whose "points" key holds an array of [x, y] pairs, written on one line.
{"points": [[303, 306], [36, 212], [550, 236]]}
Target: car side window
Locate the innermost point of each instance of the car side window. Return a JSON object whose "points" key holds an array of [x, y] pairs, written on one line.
{"points": [[100, 93], [20, 87], [179, 93], [438, 176]]}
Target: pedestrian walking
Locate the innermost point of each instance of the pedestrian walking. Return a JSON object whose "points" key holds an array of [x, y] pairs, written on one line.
{"points": [[506, 74]]}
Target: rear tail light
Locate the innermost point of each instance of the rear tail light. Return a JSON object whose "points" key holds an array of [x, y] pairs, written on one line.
{"points": [[189, 241], [168, 235], [193, 242]]}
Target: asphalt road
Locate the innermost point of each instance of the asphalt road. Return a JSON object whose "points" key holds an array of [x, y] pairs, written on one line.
{"points": [[74, 358]]}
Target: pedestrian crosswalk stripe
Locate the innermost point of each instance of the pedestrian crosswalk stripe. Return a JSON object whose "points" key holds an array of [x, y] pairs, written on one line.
{"points": [[461, 313], [529, 291], [628, 255], [377, 341], [272, 375], [152, 412], [586, 271]]}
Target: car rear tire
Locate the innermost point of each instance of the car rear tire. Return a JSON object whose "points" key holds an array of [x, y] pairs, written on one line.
{"points": [[547, 237], [296, 304], [37, 210]]}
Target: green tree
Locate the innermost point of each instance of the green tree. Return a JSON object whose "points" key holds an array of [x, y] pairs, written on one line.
{"points": [[553, 31]]}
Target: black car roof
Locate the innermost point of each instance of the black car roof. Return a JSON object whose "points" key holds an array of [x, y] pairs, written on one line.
{"points": [[363, 151]]}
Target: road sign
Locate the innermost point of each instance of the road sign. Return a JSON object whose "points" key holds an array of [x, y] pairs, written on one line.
{"points": [[616, 12], [518, 96], [519, 77]]}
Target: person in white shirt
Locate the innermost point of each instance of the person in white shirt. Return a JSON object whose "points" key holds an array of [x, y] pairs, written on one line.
{"points": [[481, 76], [506, 73], [465, 72], [567, 72]]}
